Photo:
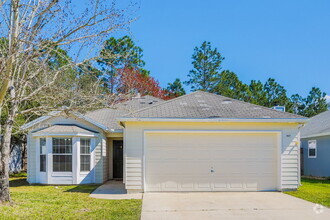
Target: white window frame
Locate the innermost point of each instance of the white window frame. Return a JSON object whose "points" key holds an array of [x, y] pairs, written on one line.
{"points": [[42, 154], [63, 154], [53, 177], [309, 147], [90, 155]]}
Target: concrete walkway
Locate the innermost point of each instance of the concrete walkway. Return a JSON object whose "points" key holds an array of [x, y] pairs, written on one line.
{"points": [[113, 190], [229, 205]]}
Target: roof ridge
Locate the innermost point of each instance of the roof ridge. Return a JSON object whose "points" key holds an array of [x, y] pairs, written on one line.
{"points": [[217, 96], [264, 107], [115, 106], [165, 102]]}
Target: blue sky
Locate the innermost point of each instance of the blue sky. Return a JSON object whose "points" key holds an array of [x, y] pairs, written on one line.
{"points": [[286, 40]]}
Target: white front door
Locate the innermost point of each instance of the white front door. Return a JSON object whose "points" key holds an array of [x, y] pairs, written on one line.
{"points": [[211, 161]]}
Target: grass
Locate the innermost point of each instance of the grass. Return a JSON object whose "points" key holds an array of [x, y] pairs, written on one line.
{"points": [[313, 190], [63, 202]]}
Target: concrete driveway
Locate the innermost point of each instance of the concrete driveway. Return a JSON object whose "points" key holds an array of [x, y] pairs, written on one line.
{"points": [[229, 205]]}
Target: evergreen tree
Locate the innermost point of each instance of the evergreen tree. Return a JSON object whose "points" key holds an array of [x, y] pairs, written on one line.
{"points": [[207, 65], [257, 93], [175, 89], [230, 86], [296, 104], [118, 54], [315, 103], [275, 94]]}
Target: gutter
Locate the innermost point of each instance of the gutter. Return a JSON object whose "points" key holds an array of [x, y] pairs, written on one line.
{"points": [[285, 120], [317, 135], [59, 134]]}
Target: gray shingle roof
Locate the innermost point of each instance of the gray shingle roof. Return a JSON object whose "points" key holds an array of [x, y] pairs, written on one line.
{"points": [[317, 125], [64, 129], [201, 105], [108, 116]]}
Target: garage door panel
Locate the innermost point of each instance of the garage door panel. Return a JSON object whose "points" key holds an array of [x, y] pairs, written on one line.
{"points": [[212, 138], [244, 154], [171, 183], [183, 162], [252, 185], [168, 168], [179, 153], [236, 185]]}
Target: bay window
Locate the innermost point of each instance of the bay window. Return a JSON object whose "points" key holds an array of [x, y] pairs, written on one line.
{"points": [[65, 159], [62, 154], [85, 154]]}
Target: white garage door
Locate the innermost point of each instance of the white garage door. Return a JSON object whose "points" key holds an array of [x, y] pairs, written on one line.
{"points": [[211, 161]]}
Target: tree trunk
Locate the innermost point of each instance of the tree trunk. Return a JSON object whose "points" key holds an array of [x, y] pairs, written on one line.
{"points": [[12, 41], [5, 149], [4, 166], [8, 84]]}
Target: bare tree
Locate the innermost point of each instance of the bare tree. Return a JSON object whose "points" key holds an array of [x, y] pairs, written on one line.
{"points": [[30, 79]]}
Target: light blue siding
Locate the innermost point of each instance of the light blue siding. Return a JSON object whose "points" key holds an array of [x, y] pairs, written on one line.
{"points": [[319, 166]]}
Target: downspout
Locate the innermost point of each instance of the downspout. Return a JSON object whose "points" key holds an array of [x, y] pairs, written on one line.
{"points": [[125, 152], [299, 153]]}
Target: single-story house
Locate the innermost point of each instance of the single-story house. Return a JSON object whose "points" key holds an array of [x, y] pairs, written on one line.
{"points": [[315, 146], [196, 142]]}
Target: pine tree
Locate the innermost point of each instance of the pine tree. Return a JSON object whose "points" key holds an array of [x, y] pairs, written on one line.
{"points": [[175, 89], [315, 103], [118, 54], [207, 65], [230, 86]]}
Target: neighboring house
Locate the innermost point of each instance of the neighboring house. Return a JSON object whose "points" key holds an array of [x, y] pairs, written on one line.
{"points": [[315, 146], [17, 159], [197, 142]]}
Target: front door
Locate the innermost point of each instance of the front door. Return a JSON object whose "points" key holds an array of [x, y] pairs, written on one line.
{"points": [[118, 159]]}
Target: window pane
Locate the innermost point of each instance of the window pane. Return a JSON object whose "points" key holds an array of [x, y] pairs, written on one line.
{"points": [[312, 144], [61, 141], [85, 163], [62, 163], [55, 141], [85, 146], [62, 145], [85, 150], [42, 163], [68, 164], [42, 145], [68, 141], [312, 152]]}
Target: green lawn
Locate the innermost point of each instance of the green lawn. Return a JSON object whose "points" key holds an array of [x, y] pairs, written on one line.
{"points": [[63, 202], [317, 191]]}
